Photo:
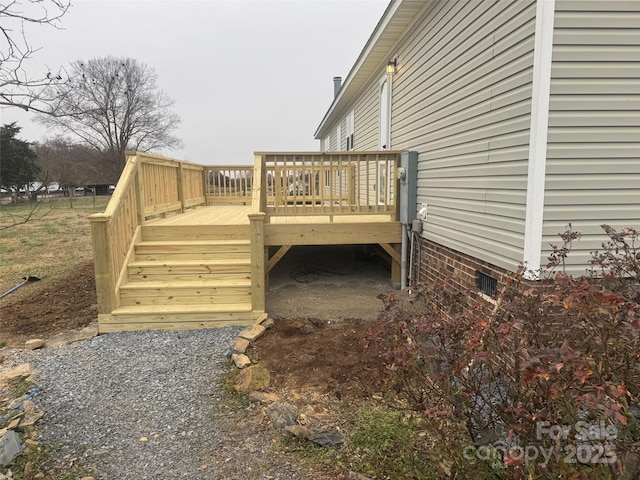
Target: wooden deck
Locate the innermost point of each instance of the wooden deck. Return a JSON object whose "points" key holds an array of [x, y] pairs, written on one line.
{"points": [[208, 215], [172, 253], [239, 215]]}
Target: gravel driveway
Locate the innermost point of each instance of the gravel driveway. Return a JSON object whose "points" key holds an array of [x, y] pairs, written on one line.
{"points": [[146, 405]]}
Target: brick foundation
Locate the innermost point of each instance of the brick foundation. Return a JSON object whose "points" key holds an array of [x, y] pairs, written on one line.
{"points": [[438, 262]]}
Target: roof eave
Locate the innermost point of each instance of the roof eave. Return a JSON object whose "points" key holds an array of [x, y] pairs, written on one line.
{"points": [[373, 57]]}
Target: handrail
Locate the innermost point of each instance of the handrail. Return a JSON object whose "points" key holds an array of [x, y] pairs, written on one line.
{"points": [[330, 183], [150, 185]]}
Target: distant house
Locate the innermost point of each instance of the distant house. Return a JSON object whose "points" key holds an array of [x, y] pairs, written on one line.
{"points": [[525, 116]]}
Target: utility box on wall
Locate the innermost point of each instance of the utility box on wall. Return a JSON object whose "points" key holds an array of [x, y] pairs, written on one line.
{"points": [[408, 176]]}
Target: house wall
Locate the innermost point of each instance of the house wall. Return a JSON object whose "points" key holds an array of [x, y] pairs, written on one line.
{"points": [[462, 99], [593, 150], [439, 263]]}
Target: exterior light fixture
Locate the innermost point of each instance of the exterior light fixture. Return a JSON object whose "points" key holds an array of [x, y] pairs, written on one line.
{"points": [[392, 67]]}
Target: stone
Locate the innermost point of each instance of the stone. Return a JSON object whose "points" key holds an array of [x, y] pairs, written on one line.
{"points": [[34, 343], [298, 431], [240, 345], [39, 475], [10, 447], [325, 438], [31, 414], [240, 360], [282, 415], [261, 319], [269, 323], [263, 397], [255, 377], [15, 422], [72, 336], [21, 371], [253, 333]]}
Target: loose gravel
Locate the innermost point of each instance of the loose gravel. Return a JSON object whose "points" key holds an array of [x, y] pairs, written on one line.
{"points": [[147, 405]]}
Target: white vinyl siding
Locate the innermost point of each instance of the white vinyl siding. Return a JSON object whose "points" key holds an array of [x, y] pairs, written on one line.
{"points": [[593, 151], [367, 118], [462, 99]]}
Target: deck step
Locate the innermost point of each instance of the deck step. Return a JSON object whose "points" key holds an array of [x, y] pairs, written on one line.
{"points": [[186, 293], [196, 233], [199, 310], [189, 267], [196, 250], [176, 317]]}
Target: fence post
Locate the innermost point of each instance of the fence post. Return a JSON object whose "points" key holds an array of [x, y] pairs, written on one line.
{"points": [[258, 274], [105, 287]]}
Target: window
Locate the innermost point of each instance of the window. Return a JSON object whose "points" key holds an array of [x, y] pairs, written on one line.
{"points": [[350, 130]]}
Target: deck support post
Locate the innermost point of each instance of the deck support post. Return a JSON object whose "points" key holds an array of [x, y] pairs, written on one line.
{"points": [[105, 289], [139, 189], [258, 273], [396, 267], [180, 186]]}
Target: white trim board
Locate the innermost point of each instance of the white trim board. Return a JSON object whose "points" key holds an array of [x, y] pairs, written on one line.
{"points": [[541, 89]]}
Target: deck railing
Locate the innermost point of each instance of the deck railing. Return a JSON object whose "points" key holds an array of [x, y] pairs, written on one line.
{"points": [[330, 183], [229, 184], [149, 186]]}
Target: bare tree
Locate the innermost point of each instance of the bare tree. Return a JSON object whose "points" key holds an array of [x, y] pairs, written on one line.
{"points": [[71, 165], [114, 105], [17, 87]]}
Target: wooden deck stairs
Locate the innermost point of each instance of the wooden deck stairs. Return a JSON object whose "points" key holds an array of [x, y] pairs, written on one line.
{"points": [[173, 282], [182, 245]]}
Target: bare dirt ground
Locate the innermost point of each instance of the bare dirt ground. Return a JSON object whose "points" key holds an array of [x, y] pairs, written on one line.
{"points": [[44, 309], [323, 300]]}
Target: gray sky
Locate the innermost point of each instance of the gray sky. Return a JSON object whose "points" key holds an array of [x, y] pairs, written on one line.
{"points": [[245, 75]]}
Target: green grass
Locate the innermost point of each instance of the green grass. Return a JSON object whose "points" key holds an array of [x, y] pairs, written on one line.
{"points": [[42, 458], [387, 444], [51, 244]]}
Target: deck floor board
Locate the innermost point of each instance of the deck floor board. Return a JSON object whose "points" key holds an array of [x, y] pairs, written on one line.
{"points": [[238, 215]]}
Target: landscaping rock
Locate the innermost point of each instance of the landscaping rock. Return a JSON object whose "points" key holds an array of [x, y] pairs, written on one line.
{"points": [[10, 447], [240, 360], [263, 397], [269, 323], [253, 333], [240, 345], [299, 431], [326, 438], [252, 378], [261, 319], [34, 343], [72, 336], [21, 371], [283, 415]]}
